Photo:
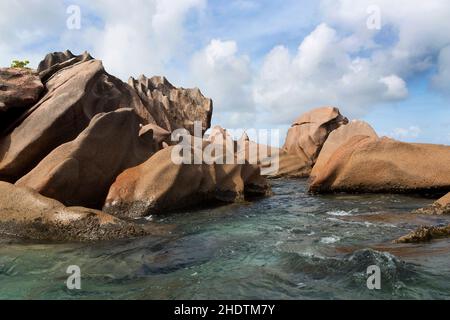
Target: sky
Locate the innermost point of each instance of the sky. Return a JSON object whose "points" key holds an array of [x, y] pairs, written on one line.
{"points": [[264, 63]]}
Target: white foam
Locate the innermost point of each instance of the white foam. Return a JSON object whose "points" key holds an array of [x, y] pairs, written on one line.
{"points": [[330, 240]]}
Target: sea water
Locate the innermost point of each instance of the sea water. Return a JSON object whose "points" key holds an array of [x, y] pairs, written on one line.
{"points": [[292, 245]]}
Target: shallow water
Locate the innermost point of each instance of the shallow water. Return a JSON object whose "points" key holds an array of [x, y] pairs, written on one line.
{"points": [[289, 246]]}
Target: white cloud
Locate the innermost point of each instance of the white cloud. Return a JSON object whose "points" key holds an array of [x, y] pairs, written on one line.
{"points": [[412, 132], [144, 41], [441, 80], [225, 76], [396, 87], [324, 72]]}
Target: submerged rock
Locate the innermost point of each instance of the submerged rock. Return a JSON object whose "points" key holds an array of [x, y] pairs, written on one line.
{"points": [[173, 108], [160, 185], [75, 95], [425, 234], [440, 207], [309, 132], [28, 215], [367, 164], [339, 137], [80, 172]]}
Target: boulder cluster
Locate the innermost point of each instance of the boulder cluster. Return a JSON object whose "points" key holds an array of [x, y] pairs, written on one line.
{"points": [[82, 152], [340, 156]]}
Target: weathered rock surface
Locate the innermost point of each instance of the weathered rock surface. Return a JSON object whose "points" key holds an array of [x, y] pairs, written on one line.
{"points": [[56, 61], [291, 166], [384, 165], [309, 132], [19, 88], [80, 172], [28, 215], [339, 137], [425, 234], [440, 207], [173, 108], [159, 186], [75, 95]]}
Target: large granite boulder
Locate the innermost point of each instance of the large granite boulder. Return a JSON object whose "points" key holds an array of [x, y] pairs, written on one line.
{"points": [[161, 185], [56, 61], [440, 207], [309, 132], [74, 96], [80, 172], [367, 164], [26, 214], [20, 88], [339, 137], [173, 108]]}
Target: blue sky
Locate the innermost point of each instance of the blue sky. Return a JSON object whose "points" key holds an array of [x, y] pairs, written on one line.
{"points": [[264, 62]]}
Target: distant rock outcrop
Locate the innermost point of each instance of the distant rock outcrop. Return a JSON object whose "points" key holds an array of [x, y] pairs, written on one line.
{"points": [[28, 215], [74, 96], [367, 164], [159, 186], [309, 132], [80, 172], [339, 137], [173, 108]]}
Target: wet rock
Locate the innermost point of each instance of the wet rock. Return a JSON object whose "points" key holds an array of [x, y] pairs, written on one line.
{"points": [[440, 207], [80, 172], [25, 214], [173, 108], [425, 234]]}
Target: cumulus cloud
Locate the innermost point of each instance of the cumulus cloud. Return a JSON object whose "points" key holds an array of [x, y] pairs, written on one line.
{"points": [[323, 71], [411, 132], [144, 41], [441, 80], [225, 76]]}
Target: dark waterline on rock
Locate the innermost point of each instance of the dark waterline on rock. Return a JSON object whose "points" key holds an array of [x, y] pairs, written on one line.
{"points": [[289, 246]]}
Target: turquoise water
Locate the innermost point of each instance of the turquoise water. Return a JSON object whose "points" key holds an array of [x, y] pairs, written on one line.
{"points": [[289, 246]]}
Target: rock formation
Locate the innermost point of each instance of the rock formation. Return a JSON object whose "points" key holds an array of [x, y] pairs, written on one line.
{"points": [[74, 96], [20, 88], [173, 108], [80, 172], [367, 164], [28, 215], [160, 185], [305, 140], [56, 61], [440, 207], [339, 137], [309, 132], [425, 234]]}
